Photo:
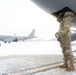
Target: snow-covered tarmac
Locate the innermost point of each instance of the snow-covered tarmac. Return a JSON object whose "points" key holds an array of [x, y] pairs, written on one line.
{"points": [[20, 56], [13, 64]]}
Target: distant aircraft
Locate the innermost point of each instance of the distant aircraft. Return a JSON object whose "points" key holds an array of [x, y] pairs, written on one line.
{"points": [[7, 38], [51, 6]]}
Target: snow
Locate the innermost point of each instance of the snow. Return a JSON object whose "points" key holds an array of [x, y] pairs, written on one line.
{"points": [[31, 47], [14, 64], [18, 20]]}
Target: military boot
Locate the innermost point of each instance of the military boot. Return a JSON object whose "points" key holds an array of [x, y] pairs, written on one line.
{"points": [[71, 67], [65, 65]]}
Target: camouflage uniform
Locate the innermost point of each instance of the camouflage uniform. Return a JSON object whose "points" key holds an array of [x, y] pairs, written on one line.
{"points": [[64, 37]]}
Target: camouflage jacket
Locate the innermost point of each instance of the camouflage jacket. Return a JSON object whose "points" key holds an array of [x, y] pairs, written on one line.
{"points": [[65, 25]]}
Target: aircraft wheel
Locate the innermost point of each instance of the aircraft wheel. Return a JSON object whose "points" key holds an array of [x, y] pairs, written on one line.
{"points": [[5, 41], [9, 42]]}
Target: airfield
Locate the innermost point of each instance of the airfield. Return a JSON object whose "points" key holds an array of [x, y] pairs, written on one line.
{"points": [[32, 57], [33, 47], [33, 65]]}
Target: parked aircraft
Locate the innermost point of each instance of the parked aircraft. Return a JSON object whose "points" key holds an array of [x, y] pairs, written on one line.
{"points": [[7, 38], [51, 6]]}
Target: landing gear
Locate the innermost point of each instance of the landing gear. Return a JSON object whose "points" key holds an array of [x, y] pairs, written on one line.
{"points": [[9, 42], [5, 41]]}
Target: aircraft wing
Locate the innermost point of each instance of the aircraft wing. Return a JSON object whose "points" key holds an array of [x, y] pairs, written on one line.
{"points": [[51, 6]]}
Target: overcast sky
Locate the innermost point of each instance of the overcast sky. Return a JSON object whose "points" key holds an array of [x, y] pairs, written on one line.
{"points": [[21, 16]]}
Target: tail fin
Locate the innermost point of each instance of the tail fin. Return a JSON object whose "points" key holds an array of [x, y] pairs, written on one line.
{"points": [[32, 33]]}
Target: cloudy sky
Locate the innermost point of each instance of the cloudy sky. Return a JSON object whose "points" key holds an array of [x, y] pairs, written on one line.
{"points": [[21, 16]]}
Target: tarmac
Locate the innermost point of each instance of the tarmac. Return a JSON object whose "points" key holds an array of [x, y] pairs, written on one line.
{"points": [[12, 65]]}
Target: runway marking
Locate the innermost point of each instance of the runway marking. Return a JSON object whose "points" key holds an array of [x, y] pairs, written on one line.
{"points": [[40, 69]]}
